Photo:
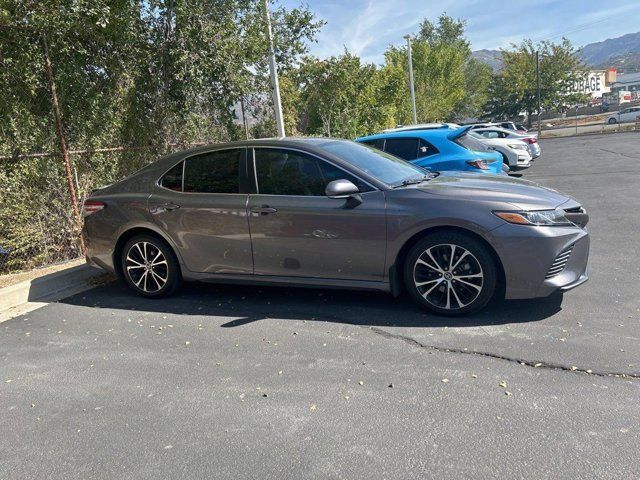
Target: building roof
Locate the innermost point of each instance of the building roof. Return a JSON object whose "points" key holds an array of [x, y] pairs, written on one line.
{"points": [[626, 78]]}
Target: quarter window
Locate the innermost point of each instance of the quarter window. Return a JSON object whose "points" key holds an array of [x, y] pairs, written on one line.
{"points": [[287, 172], [173, 178], [213, 172], [425, 149]]}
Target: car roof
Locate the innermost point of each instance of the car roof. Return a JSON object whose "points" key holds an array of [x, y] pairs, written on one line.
{"points": [[421, 126], [426, 134]]}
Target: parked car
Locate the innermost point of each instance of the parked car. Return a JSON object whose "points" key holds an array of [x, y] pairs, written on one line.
{"points": [[515, 153], [529, 138], [438, 149], [630, 114], [335, 213]]}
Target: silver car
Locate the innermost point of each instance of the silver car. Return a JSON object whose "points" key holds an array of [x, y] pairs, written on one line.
{"points": [[334, 213]]}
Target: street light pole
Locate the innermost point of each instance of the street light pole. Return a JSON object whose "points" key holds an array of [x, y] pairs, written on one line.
{"points": [[538, 88], [274, 75], [413, 92]]}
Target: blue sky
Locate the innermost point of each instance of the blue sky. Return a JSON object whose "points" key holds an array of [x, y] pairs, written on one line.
{"points": [[367, 27]]}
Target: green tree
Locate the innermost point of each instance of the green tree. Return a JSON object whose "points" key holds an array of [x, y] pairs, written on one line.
{"points": [[514, 88], [449, 84]]}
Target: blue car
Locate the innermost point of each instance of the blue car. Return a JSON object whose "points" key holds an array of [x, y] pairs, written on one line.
{"points": [[438, 149]]}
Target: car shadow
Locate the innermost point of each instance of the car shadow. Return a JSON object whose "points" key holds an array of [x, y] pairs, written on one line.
{"points": [[247, 304]]}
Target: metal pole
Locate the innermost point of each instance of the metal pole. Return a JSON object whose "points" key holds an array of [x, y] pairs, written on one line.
{"points": [[274, 75], [73, 197], [538, 89], [411, 87]]}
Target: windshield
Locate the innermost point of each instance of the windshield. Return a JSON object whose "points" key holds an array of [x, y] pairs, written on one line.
{"points": [[471, 143], [386, 168]]}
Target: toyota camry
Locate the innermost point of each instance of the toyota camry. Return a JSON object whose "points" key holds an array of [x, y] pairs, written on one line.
{"points": [[334, 213]]}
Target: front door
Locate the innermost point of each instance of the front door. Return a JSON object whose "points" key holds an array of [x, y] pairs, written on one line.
{"points": [[198, 204], [298, 231]]}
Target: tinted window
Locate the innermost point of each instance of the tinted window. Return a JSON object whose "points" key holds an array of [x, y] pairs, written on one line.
{"points": [[287, 172], [379, 143], [213, 172], [386, 168], [173, 178], [405, 148], [471, 143], [425, 149]]}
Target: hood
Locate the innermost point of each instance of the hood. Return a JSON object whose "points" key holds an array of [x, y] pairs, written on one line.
{"points": [[523, 194]]}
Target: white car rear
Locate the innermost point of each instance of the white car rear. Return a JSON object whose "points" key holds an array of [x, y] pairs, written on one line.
{"points": [[530, 139], [514, 152]]}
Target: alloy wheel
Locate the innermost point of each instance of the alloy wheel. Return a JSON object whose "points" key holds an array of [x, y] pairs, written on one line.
{"points": [[147, 267], [448, 276]]}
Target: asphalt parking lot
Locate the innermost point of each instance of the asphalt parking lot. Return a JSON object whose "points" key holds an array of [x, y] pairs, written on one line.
{"points": [[248, 382]]}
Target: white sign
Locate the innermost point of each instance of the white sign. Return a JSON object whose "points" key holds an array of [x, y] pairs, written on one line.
{"points": [[593, 83]]}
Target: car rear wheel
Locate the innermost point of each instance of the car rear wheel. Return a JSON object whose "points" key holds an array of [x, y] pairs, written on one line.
{"points": [[150, 267], [450, 273], [612, 121]]}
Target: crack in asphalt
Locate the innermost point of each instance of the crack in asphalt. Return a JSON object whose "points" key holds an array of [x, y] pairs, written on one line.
{"points": [[618, 153], [520, 361]]}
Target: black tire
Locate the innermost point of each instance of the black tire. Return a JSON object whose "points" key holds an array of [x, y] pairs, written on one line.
{"points": [[612, 121], [470, 292], [132, 257]]}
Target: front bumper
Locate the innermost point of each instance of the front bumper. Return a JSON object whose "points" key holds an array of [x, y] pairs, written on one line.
{"points": [[527, 254]]}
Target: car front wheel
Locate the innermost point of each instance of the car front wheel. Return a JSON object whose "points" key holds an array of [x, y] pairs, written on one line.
{"points": [[612, 121], [450, 273], [150, 267]]}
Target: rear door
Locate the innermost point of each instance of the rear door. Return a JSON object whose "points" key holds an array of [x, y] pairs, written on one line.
{"points": [[298, 231], [201, 205]]}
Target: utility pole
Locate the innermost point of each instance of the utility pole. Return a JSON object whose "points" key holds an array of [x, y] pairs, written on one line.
{"points": [[538, 88], [274, 75], [411, 87], [73, 197]]}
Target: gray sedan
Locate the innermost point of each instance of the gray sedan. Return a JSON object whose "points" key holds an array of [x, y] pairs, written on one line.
{"points": [[334, 213]]}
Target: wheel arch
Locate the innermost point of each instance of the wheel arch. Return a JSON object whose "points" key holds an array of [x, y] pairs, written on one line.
{"points": [[396, 270], [129, 233]]}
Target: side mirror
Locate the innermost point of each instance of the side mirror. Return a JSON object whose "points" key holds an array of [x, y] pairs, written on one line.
{"points": [[341, 189], [344, 189]]}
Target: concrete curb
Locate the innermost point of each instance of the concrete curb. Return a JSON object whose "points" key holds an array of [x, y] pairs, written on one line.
{"points": [[49, 288]]}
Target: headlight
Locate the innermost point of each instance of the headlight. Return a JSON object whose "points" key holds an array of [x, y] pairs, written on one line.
{"points": [[515, 146], [536, 217]]}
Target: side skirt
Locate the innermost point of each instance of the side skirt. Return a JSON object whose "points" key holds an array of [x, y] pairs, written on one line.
{"points": [[303, 282]]}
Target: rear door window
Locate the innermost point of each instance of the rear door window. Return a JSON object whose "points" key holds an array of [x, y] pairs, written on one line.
{"points": [[173, 178], [213, 172], [379, 143], [405, 148]]}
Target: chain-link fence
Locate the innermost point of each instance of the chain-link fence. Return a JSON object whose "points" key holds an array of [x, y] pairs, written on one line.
{"points": [[38, 222]]}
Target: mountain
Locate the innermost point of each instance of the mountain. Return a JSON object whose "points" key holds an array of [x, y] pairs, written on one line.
{"points": [[620, 52], [490, 57], [600, 53]]}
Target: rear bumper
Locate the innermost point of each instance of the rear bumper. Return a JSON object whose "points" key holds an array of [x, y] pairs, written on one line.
{"points": [[528, 253]]}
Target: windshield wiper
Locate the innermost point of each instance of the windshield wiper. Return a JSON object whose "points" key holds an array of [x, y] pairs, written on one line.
{"points": [[413, 181]]}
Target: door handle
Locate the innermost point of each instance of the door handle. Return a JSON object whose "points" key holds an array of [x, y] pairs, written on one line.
{"points": [[169, 206], [264, 210]]}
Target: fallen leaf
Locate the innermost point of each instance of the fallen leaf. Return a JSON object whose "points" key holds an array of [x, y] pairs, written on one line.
{"points": [[445, 380], [507, 393], [503, 384], [312, 407]]}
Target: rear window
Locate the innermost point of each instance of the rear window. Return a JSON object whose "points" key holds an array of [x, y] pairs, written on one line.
{"points": [[213, 172], [471, 143]]}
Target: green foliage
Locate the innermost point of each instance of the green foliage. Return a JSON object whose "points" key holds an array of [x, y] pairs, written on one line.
{"points": [[514, 88]]}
